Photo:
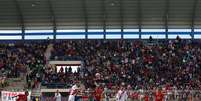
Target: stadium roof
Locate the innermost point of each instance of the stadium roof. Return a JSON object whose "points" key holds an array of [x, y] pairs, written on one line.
{"points": [[99, 14]]}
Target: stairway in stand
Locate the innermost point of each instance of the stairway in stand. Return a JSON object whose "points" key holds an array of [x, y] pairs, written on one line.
{"points": [[36, 92], [15, 84], [47, 53]]}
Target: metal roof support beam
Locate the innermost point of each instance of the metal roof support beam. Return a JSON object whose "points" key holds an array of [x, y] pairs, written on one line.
{"points": [[84, 7], [104, 18], [140, 18], [193, 18], [53, 18], [121, 17], [166, 18], [21, 18]]}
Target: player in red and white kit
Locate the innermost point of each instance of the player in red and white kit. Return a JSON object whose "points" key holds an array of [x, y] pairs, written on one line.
{"points": [[122, 94], [73, 92]]}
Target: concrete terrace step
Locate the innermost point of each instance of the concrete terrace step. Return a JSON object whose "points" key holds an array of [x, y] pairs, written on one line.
{"points": [[35, 92], [15, 84]]}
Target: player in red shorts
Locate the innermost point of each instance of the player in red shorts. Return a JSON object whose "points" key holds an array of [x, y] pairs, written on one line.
{"points": [[159, 95]]}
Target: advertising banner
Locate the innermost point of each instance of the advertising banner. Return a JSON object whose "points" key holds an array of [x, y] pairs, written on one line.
{"points": [[10, 96]]}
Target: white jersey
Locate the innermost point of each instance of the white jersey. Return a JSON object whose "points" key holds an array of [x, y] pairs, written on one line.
{"points": [[57, 96], [122, 95], [73, 92]]}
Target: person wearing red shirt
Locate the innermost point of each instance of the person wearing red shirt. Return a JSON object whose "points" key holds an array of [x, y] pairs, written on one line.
{"points": [[23, 97], [135, 95], [98, 93], [159, 95], [146, 97]]}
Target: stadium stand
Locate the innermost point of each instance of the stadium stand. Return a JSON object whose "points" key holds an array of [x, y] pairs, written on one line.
{"points": [[147, 65], [19, 60], [90, 49], [173, 63]]}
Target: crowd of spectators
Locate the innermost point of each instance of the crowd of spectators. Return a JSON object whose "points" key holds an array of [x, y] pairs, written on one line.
{"points": [[63, 78], [18, 59], [139, 64]]}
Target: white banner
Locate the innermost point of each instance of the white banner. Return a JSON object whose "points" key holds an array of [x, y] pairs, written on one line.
{"points": [[9, 96]]}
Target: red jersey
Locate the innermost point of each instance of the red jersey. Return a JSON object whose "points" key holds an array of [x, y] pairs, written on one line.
{"points": [[135, 95], [146, 98], [159, 96], [98, 93], [22, 97]]}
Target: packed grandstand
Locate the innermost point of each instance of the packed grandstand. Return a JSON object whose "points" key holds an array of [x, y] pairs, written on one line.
{"points": [[137, 65], [100, 50]]}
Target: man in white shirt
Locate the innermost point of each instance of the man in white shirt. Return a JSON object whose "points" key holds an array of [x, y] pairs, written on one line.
{"points": [[122, 95], [57, 96]]}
